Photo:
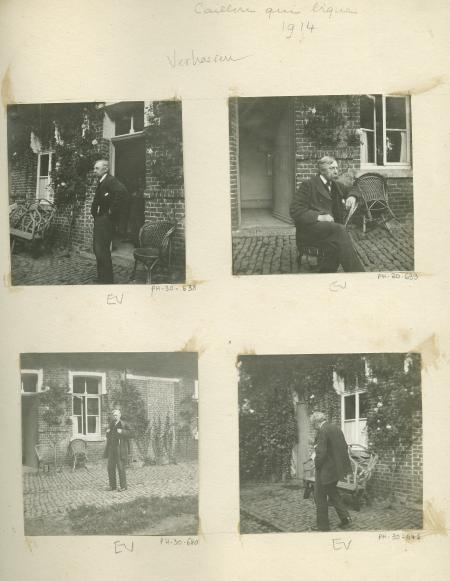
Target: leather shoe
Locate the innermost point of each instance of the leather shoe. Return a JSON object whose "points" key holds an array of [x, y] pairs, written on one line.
{"points": [[345, 523]]}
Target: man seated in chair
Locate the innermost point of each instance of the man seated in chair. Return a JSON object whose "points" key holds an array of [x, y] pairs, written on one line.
{"points": [[318, 212]]}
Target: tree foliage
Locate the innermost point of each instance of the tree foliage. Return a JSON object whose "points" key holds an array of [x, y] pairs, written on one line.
{"points": [[269, 384]]}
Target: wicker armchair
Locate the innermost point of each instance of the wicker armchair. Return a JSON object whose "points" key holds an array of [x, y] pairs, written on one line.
{"points": [[46, 456], [372, 188], [30, 220], [78, 452], [154, 246]]}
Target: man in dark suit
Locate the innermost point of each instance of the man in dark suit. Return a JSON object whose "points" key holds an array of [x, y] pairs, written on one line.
{"points": [[117, 444], [106, 211], [332, 464], [318, 212]]}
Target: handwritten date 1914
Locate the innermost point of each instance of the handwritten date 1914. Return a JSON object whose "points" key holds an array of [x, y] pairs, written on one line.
{"points": [[297, 29]]}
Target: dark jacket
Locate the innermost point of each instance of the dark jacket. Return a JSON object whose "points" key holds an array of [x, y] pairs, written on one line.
{"points": [[109, 198], [120, 441], [332, 461], [313, 198]]}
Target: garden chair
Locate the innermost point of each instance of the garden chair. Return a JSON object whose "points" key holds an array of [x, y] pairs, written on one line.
{"points": [[372, 188], [154, 246], [46, 456], [315, 250], [78, 452], [363, 463], [30, 221]]}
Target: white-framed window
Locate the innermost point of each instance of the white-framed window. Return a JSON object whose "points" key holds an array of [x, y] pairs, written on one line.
{"points": [[354, 407], [385, 122], [129, 119], [44, 189], [86, 389], [31, 381]]}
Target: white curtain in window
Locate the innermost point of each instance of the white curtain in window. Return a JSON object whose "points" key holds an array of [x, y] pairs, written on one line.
{"points": [[403, 148], [364, 147]]}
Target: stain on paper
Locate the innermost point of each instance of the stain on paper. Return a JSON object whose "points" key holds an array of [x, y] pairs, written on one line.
{"points": [[434, 520], [421, 88], [192, 346], [7, 93], [429, 350]]}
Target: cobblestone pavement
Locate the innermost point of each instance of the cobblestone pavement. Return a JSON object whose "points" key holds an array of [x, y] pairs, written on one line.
{"points": [[54, 493], [276, 253], [73, 268], [280, 508]]}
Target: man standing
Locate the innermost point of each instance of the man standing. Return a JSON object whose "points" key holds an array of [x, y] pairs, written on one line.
{"points": [[117, 443], [332, 464], [317, 210], [106, 210]]}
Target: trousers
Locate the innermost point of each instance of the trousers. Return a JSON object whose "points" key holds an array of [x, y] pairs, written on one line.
{"points": [[323, 492], [337, 244], [115, 462], [103, 234]]}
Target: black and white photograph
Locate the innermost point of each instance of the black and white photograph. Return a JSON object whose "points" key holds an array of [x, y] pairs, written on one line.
{"points": [[96, 193], [321, 184], [330, 442], [110, 443]]}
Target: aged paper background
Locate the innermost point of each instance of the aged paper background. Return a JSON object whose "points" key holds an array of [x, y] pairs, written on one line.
{"points": [[97, 50]]}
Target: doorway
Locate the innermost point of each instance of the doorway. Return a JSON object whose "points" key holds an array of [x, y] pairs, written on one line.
{"points": [[129, 168], [266, 161], [29, 430]]}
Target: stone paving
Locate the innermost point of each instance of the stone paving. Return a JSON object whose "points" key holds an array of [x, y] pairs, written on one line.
{"points": [[276, 252], [54, 493], [72, 268], [282, 508]]}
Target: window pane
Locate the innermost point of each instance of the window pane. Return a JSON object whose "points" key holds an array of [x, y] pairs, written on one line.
{"points": [[363, 403], [367, 117], [395, 113], [43, 170], [350, 407], [92, 384], [77, 406], [91, 425], [29, 382], [79, 425], [396, 147], [138, 120], [92, 406], [123, 124], [78, 385]]}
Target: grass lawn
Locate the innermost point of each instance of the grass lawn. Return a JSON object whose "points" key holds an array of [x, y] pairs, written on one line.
{"points": [[175, 515]]}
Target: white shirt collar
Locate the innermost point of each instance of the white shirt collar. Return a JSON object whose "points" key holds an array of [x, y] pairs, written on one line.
{"points": [[103, 177], [324, 421], [324, 180]]}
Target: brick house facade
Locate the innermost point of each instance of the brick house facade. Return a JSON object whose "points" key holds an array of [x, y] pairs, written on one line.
{"points": [[91, 387], [344, 405], [119, 133], [273, 149]]}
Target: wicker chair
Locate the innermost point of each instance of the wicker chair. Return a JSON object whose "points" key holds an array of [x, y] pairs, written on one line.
{"points": [[316, 250], [78, 452], [363, 463], [154, 246], [372, 188], [46, 456], [30, 220]]}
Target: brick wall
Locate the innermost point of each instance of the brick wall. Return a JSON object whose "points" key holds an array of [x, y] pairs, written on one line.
{"points": [[233, 112], [400, 193], [407, 484], [308, 152], [158, 199], [22, 176], [161, 200]]}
